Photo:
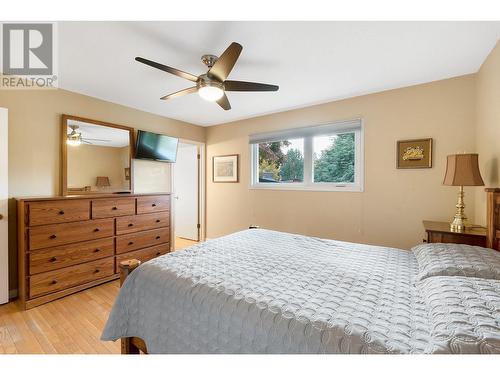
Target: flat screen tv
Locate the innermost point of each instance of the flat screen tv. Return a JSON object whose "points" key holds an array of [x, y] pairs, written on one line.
{"points": [[159, 147]]}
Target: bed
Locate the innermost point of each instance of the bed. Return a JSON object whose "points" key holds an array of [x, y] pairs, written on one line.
{"points": [[261, 291]]}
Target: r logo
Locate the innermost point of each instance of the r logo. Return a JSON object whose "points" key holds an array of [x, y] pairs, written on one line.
{"points": [[27, 49]]}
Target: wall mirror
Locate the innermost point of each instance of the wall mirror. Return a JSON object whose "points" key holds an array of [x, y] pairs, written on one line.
{"points": [[96, 157]]}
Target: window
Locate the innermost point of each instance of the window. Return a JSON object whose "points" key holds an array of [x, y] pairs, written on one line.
{"points": [[325, 157], [281, 162]]}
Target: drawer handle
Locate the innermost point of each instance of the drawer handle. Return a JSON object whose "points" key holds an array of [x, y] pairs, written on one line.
{"points": [[157, 237], [158, 253], [61, 212], [97, 270], [53, 259], [114, 208], [131, 243], [131, 225], [97, 250], [53, 282], [96, 230], [52, 236], [153, 205], [157, 220]]}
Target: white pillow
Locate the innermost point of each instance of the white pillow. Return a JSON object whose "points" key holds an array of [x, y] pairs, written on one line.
{"points": [[449, 259]]}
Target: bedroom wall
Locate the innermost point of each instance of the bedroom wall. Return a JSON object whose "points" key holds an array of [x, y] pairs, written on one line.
{"points": [[488, 128], [394, 202], [34, 141], [86, 162], [151, 176]]}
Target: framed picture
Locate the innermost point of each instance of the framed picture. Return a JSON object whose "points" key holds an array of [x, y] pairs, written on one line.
{"points": [[127, 174], [225, 168], [414, 153]]}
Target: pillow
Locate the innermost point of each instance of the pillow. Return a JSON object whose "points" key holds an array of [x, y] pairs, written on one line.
{"points": [[463, 314], [449, 259]]}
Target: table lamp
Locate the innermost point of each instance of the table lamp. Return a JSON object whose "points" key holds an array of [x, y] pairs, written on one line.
{"points": [[462, 170], [102, 182]]}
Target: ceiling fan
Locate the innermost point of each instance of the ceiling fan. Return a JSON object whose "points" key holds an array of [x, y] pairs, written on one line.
{"points": [[212, 85], [75, 137]]}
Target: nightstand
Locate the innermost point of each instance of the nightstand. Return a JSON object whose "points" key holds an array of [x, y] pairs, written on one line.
{"points": [[438, 231]]}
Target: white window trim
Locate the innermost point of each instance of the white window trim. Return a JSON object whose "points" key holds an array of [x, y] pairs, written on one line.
{"points": [[356, 126]]}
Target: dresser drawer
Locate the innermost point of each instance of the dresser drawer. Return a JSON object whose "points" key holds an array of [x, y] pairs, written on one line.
{"points": [[60, 234], [70, 276], [53, 212], [143, 255], [112, 207], [140, 240], [153, 204], [136, 223], [68, 255]]}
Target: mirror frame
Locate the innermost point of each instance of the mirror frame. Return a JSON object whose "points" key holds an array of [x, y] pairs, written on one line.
{"points": [[64, 150]]}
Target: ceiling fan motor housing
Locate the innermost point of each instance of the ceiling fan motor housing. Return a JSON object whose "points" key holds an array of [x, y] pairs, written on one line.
{"points": [[204, 80]]}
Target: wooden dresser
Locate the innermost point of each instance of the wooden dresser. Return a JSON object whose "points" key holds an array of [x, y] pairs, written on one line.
{"points": [[67, 244]]}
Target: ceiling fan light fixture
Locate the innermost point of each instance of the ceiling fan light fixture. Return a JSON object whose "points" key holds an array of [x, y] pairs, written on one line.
{"points": [[73, 142], [74, 138], [209, 89]]}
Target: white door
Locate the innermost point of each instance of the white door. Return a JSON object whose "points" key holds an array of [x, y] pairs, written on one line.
{"points": [[186, 192], [4, 258]]}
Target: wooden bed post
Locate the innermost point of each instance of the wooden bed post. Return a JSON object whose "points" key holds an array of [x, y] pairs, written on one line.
{"points": [[492, 218], [126, 267]]}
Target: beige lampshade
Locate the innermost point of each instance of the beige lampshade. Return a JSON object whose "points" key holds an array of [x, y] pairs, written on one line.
{"points": [[463, 170], [102, 181]]}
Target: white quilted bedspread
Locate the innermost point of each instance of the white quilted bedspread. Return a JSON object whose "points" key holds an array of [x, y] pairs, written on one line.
{"points": [[261, 291]]}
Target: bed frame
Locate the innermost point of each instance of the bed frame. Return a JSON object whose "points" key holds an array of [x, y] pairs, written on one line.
{"points": [[493, 218], [131, 345], [135, 345]]}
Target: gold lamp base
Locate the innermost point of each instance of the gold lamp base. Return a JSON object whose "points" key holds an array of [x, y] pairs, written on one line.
{"points": [[459, 222]]}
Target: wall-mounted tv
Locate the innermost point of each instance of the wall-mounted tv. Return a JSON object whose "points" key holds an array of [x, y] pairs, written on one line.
{"points": [[159, 147]]}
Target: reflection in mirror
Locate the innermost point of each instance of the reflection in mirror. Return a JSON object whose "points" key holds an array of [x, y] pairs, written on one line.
{"points": [[98, 158]]}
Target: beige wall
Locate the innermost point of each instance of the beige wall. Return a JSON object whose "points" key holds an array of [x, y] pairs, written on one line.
{"points": [[86, 162], [488, 128], [151, 176], [391, 209]]}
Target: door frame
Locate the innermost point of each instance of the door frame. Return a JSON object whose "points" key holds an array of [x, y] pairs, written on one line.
{"points": [[201, 192], [4, 209]]}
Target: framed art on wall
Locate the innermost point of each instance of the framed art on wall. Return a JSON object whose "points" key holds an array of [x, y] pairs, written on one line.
{"points": [[414, 153], [225, 168]]}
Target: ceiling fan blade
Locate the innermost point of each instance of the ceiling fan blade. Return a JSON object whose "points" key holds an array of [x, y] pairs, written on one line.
{"points": [[182, 92], [225, 62], [224, 103], [248, 86], [168, 69]]}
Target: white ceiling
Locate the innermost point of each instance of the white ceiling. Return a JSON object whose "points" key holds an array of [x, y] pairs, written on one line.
{"points": [[312, 62], [101, 135]]}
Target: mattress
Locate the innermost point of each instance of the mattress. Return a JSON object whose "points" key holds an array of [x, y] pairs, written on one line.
{"points": [[261, 291]]}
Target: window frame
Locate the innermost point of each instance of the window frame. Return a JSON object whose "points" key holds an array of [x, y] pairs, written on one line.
{"points": [[356, 127]]}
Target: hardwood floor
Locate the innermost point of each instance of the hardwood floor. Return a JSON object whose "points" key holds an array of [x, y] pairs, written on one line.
{"points": [[181, 243], [68, 325]]}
